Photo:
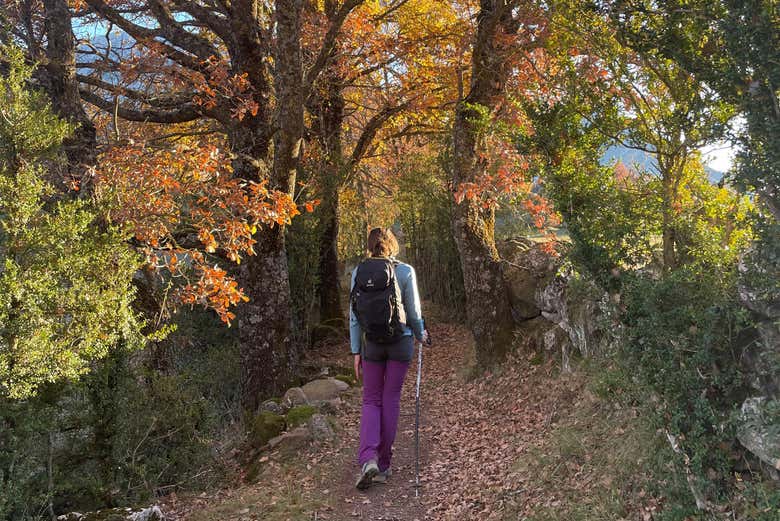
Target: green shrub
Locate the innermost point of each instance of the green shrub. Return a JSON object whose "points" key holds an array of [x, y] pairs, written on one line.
{"points": [[424, 203], [65, 280]]}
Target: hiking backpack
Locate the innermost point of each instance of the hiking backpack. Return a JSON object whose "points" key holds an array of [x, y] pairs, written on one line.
{"points": [[376, 300]]}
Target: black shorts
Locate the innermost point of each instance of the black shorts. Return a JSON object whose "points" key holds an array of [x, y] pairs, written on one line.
{"points": [[401, 351]]}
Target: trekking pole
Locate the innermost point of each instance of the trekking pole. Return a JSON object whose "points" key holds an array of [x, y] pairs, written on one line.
{"points": [[417, 423], [417, 419]]}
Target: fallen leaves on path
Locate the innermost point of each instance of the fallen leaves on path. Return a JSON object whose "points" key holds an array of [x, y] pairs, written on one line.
{"points": [[472, 432]]}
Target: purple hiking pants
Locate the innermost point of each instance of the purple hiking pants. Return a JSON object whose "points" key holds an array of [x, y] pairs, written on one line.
{"points": [[382, 383]]}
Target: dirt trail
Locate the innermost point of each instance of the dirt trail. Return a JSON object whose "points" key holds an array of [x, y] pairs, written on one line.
{"points": [[473, 432]]}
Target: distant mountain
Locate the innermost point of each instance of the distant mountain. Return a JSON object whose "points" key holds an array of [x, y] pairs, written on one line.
{"points": [[631, 157]]}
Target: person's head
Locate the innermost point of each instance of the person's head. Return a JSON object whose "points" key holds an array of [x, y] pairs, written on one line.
{"points": [[382, 243]]}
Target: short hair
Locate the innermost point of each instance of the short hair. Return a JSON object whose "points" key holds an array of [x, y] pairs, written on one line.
{"points": [[382, 243]]}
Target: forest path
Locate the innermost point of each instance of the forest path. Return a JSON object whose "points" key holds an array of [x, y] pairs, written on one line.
{"points": [[473, 432]]}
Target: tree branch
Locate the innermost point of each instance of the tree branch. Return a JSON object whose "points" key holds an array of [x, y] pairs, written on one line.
{"points": [[328, 44], [141, 33], [185, 113]]}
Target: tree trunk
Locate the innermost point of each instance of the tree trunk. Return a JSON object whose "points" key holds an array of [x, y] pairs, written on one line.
{"points": [[330, 108], [63, 87], [668, 238], [268, 355], [487, 299], [331, 312]]}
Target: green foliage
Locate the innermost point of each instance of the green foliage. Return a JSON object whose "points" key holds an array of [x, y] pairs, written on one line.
{"points": [[683, 364], [127, 432], [303, 260], [612, 221], [424, 215], [65, 288], [733, 46]]}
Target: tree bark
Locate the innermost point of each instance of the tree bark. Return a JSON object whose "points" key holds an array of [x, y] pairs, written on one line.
{"points": [[488, 308], [63, 87], [671, 170], [330, 108], [269, 356]]}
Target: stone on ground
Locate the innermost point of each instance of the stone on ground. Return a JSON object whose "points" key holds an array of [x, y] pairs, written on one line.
{"points": [[272, 406], [294, 397], [329, 406], [324, 389], [757, 433], [292, 441], [320, 428]]}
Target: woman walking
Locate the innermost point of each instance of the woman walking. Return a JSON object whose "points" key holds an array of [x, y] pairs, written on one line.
{"points": [[385, 309]]}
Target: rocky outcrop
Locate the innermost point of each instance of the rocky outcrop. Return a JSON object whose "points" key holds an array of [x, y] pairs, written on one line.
{"points": [[526, 269], [554, 308], [758, 433], [581, 310], [760, 293]]}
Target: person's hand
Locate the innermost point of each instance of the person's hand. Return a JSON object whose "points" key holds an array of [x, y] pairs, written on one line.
{"points": [[357, 367], [425, 337]]}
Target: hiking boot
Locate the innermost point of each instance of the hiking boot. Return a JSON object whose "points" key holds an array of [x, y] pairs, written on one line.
{"points": [[367, 474], [381, 476]]}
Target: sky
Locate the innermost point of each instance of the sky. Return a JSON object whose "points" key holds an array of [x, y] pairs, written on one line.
{"points": [[719, 156]]}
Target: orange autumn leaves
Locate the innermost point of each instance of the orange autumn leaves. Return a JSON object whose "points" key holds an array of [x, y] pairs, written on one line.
{"points": [[187, 214]]}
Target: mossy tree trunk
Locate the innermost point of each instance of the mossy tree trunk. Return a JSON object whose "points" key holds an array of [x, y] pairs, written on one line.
{"points": [[487, 299]]}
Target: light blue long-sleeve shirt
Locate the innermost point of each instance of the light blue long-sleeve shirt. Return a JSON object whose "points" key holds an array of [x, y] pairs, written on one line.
{"points": [[407, 282]]}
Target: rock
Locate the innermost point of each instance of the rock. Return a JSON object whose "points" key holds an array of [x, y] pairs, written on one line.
{"points": [[527, 268], [556, 338], [582, 310], [272, 406], [264, 427], [300, 415], [292, 441], [328, 406], [320, 428], [294, 397], [152, 513], [324, 389], [757, 286], [347, 379], [530, 334], [757, 432]]}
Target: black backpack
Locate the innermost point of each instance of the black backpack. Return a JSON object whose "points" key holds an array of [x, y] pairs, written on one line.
{"points": [[376, 300]]}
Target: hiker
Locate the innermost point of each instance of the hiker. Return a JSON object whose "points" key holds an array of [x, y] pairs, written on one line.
{"points": [[385, 307]]}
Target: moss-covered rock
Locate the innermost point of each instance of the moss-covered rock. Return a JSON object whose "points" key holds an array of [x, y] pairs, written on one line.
{"points": [[349, 380], [265, 426], [300, 415]]}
